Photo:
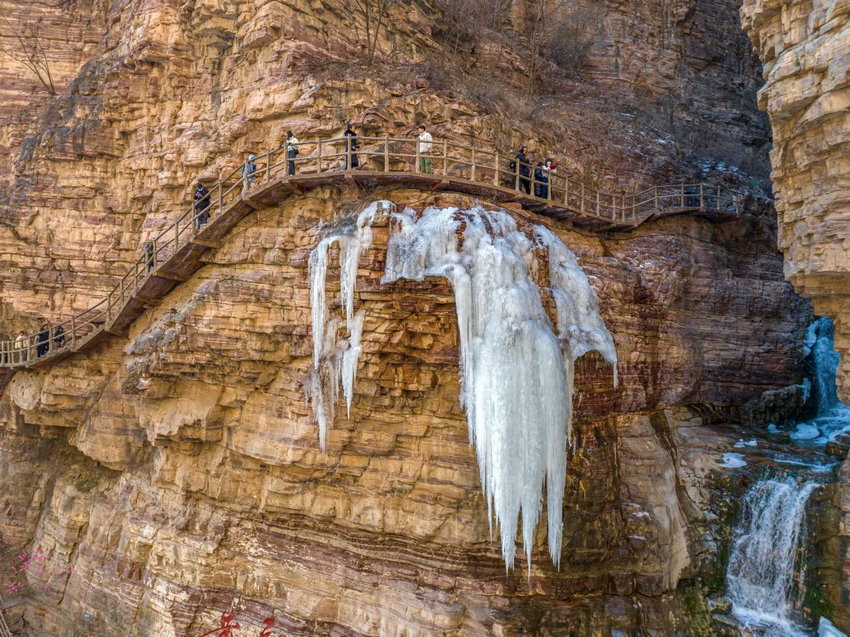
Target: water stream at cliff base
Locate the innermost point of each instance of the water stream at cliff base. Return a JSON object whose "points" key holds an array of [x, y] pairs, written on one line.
{"points": [[761, 578], [516, 367], [764, 577]]}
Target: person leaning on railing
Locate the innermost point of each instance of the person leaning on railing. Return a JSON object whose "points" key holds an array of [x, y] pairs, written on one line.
{"points": [[59, 337]]}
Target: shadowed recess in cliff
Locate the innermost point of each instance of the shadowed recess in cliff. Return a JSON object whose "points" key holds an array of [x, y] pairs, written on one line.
{"points": [[516, 369]]}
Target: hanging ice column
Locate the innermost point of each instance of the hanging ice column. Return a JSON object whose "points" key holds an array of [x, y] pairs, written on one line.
{"points": [[335, 361], [516, 372]]}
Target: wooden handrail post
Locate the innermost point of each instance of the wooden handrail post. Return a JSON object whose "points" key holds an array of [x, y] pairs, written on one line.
{"points": [[418, 156], [387, 153], [445, 158], [551, 184], [473, 163], [516, 174], [155, 260], [496, 169], [566, 192], [701, 201], [682, 196], [269, 165], [73, 331]]}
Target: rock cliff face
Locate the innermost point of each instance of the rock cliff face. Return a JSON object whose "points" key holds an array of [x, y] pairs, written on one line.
{"points": [[174, 473], [805, 47]]}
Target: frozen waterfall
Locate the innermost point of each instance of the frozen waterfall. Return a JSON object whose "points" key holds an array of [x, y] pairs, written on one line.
{"points": [[516, 370], [335, 360], [833, 416], [761, 576]]}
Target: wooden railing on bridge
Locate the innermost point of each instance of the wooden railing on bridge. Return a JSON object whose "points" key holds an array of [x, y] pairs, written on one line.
{"points": [[378, 160]]}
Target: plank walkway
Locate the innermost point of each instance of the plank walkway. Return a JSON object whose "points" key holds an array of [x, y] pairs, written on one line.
{"points": [[177, 252]]}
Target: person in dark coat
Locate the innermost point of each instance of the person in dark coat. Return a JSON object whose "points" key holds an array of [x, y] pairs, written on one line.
{"points": [[202, 205], [524, 165], [58, 337], [149, 255], [351, 141], [43, 338], [538, 179], [291, 144]]}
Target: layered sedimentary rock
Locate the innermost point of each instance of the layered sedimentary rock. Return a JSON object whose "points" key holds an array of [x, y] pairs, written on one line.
{"points": [[174, 473], [224, 496], [805, 47]]}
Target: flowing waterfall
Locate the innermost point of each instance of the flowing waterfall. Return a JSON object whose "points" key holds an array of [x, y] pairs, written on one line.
{"points": [[761, 576], [516, 369], [833, 416]]}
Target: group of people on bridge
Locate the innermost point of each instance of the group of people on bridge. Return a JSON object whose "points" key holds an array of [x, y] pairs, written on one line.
{"points": [[44, 343], [520, 167]]}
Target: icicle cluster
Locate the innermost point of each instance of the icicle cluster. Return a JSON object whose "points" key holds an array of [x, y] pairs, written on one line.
{"points": [[334, 359], [516, 373]]}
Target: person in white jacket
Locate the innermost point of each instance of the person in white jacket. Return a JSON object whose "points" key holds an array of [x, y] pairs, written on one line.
{"points": [[425, 145], [20, 348]]}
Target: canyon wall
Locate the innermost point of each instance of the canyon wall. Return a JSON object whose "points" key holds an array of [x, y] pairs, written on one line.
{"points": [[174, 473], [805, 47]]}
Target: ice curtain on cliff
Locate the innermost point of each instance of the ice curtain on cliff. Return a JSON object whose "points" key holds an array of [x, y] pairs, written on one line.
{"points": [[516, 367]]}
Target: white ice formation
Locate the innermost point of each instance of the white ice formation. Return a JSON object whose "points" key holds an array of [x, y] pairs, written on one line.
{"points": [[516, 372], [516, 368], [334, 359]]}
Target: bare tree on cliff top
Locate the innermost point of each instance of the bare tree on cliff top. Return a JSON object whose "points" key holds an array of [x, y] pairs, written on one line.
{"points": [[560, 32], [29, 50], [374, 14]]}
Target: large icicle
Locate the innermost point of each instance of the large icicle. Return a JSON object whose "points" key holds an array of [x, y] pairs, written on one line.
{"points": [[335, 361], [516, 374]]}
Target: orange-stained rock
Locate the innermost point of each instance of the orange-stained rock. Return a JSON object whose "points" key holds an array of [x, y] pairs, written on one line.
{"points": [[174, 473]]}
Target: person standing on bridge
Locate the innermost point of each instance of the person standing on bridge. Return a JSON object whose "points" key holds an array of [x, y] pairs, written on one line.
{"points": [[59, 337], [425, 146], [202, 205], [149, 255], [43, 340], [351, 160], [21, 348], [291, 144], [248, 169], [523, 166]]}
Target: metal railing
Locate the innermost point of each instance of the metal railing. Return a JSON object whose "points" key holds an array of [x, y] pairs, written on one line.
{"points": [[458, 166]]}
